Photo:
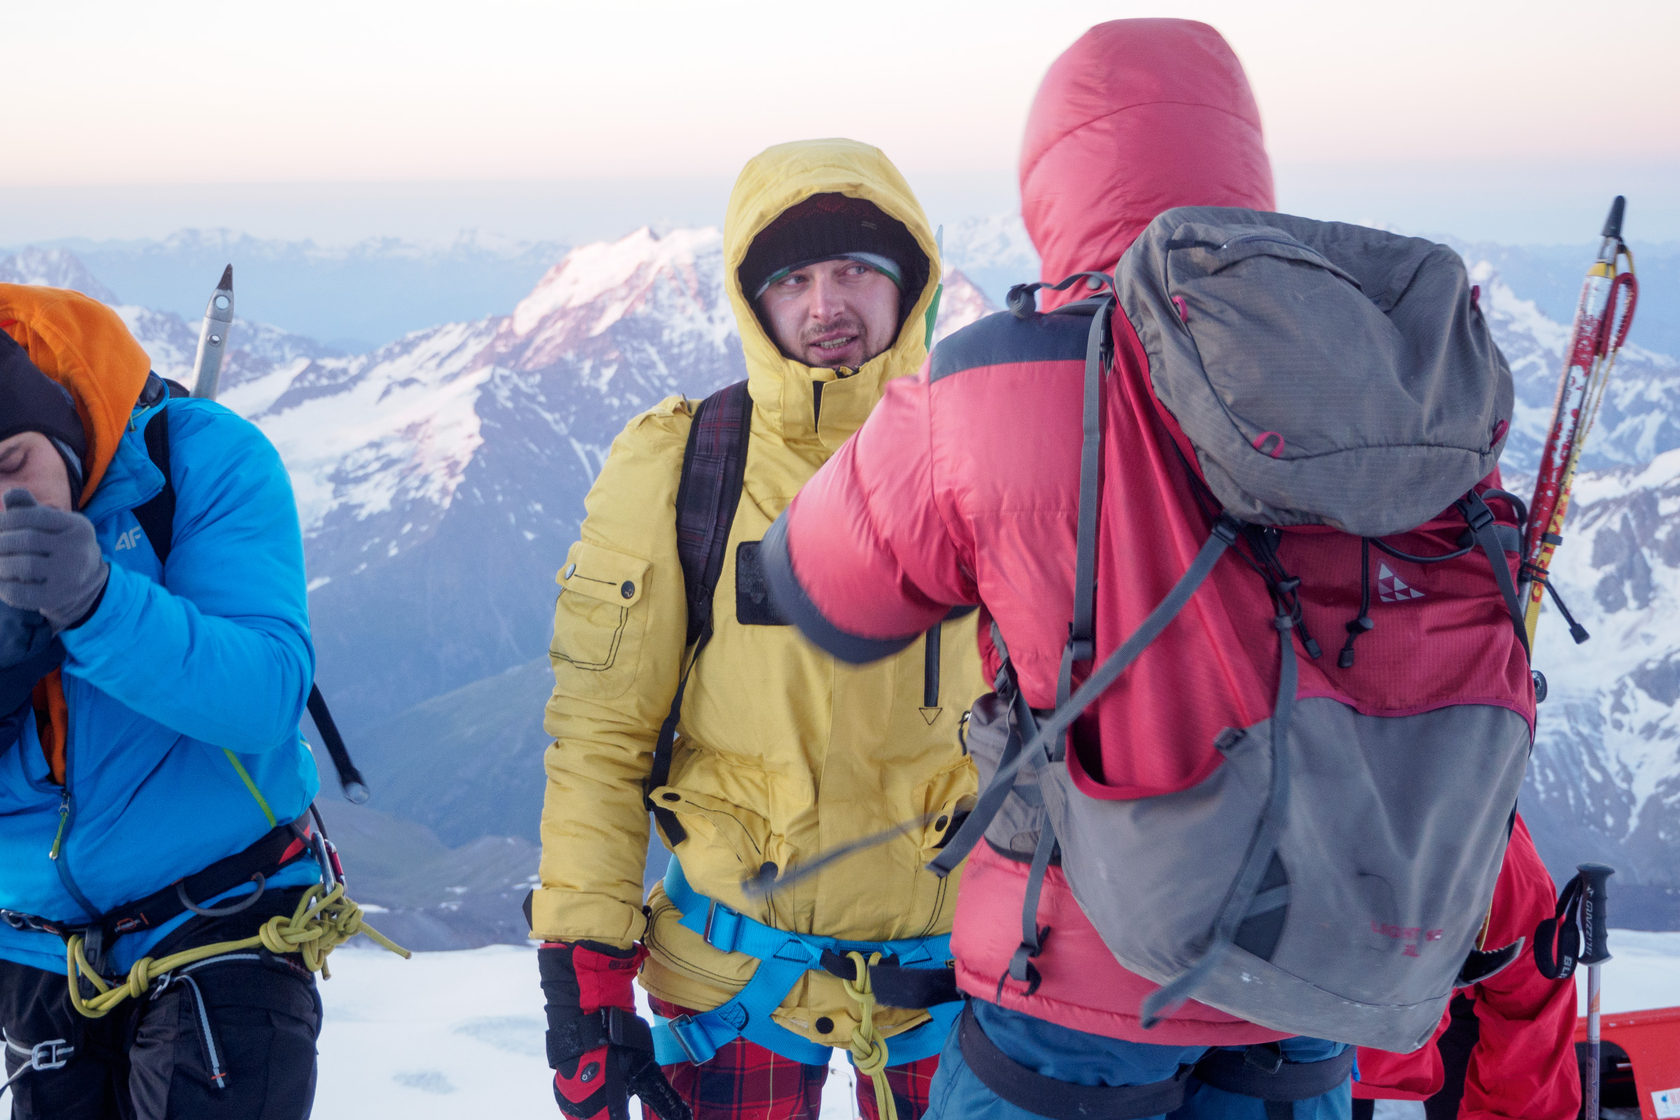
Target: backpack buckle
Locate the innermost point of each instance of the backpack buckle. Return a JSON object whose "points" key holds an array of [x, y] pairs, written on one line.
{"points": [[51, 1054]]}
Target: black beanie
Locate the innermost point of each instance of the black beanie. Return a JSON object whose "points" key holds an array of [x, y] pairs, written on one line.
{"points": [[30, 401], [825, 226]]}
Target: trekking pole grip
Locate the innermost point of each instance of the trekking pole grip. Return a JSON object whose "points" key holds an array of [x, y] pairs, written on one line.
{"points": [[1594, 913]]}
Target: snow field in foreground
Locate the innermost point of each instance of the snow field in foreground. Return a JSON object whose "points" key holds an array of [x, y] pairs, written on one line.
{"points": [[460, 1034]]}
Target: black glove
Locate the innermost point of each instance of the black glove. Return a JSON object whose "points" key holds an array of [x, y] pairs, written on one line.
{"points": [[600, 1050], [49, 561]]}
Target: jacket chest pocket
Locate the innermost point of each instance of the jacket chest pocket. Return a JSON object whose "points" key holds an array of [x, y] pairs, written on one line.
{"points": [[599, 620], [753, 605]]}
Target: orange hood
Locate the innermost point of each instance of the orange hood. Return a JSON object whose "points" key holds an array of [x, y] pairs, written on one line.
{"points": [[84, 346]]}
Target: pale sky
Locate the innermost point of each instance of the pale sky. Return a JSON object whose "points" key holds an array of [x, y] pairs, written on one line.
{"points": [[558, 118]]}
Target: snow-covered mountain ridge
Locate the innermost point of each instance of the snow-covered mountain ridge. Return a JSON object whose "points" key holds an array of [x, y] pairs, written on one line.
{"points": [[440, 481]]}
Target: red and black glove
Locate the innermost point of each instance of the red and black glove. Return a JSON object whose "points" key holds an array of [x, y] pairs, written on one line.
{"points": [[600, 1050]]}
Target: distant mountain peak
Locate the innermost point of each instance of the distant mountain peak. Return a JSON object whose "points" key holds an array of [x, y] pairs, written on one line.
{"points": [[623, 270], [54, 268]]}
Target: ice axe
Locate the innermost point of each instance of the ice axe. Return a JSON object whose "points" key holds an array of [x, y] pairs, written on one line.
{"points": [[207, 371]]}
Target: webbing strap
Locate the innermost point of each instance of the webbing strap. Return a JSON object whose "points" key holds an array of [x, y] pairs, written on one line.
{"points": [[156, 514], [1033, 1092], [1238, 1071], [1224, 534], [783, 958], [1485, 529], [1240, 902], [713, 469], [1081, 646]]}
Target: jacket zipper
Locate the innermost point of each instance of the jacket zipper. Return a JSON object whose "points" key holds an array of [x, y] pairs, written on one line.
{"points": [[67, 817]]}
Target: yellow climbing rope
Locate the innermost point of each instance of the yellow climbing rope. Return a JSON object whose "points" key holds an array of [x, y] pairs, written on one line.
{"points": [[869, 1049], [323, 920]]}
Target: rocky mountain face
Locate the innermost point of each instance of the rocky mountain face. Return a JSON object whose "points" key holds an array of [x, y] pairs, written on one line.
{"points": [[440, 480]]}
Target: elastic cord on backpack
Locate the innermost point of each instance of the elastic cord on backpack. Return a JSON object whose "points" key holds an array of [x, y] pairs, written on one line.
{"points": [[1362, 622]]}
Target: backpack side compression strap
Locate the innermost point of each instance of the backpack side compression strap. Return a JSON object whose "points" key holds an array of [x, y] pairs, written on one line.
{"points": [[713, 469]]}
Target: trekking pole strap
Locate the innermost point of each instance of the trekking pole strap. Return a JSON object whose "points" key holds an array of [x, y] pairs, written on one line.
{"points": [[783, 958]]}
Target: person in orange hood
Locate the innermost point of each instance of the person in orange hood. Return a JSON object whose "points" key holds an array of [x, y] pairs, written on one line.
{"points": [[154, 662]]}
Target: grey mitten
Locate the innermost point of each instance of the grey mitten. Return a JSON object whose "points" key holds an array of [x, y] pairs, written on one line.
{"points": [[49, 561]]}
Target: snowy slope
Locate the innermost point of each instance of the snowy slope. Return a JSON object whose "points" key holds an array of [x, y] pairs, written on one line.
{"points": [[444, 1032]]}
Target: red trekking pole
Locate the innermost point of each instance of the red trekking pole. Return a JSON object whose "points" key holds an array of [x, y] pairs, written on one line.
{"points": [[1602, 319]]}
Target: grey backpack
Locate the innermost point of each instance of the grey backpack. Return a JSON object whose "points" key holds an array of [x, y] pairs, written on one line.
{"points": [[1330, 877]]}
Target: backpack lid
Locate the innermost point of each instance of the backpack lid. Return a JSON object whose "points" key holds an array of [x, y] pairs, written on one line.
{"points": [[1323, 373]]}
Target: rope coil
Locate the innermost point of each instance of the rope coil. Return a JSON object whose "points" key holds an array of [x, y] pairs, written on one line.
{"points": [[323, 920], [868, 1048]]}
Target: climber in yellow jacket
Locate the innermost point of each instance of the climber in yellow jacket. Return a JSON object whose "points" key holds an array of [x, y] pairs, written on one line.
{"points": [[779, 753]]}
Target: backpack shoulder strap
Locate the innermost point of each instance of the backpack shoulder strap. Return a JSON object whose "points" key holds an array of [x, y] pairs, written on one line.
{"points": [[157, 514], [714, 465], [713, 469]]}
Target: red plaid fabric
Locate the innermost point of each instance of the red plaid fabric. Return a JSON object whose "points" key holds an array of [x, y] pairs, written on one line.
{"points": [[744, 1081]]}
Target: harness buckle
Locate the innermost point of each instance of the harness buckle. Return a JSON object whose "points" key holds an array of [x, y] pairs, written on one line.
{"points": [[723, 927], [51, 1054], [679, 1031]]}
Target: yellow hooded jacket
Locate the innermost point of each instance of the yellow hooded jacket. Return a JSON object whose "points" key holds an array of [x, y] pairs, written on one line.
{"points": [[782, 753]]}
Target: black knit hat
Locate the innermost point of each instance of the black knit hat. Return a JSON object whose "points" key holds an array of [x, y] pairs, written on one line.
{"points": [[825, 226], [30, 401]]}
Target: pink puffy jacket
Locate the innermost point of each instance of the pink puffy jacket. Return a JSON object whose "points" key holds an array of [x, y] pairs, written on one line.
{"points": [[962, 488]]}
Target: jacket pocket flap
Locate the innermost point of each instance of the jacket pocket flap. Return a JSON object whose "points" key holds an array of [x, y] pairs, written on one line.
{"points": [[602, 573]]}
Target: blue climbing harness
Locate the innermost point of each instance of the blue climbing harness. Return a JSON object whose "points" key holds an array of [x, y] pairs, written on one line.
{"points": [[783, 958]]}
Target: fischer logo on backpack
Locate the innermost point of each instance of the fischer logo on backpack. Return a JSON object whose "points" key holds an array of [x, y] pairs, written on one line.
{"points": [[1335, 393]]}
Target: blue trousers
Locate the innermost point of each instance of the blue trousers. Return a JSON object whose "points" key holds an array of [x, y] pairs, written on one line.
{"points": [[1058, 1052]]}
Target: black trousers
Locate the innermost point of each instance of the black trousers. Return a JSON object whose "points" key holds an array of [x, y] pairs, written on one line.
{"points": [[232, 1038]]}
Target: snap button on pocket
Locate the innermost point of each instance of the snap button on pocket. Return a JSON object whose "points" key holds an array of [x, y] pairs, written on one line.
{"points": [[627, 589]]}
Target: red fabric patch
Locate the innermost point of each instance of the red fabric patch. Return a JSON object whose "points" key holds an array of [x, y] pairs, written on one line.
{"points": [[604, 980]]}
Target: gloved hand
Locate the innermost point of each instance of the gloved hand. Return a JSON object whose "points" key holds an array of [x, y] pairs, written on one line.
{"points": [[49, 561], [600, 1051], [23, 634]]}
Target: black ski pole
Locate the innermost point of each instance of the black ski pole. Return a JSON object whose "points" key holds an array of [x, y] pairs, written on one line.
{"points": [[1594, 952]]}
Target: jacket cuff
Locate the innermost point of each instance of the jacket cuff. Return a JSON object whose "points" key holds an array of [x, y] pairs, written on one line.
{"points": [[797, 607]]}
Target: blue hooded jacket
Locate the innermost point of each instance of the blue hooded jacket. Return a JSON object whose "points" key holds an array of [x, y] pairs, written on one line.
{"points": [[184, 689]]}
